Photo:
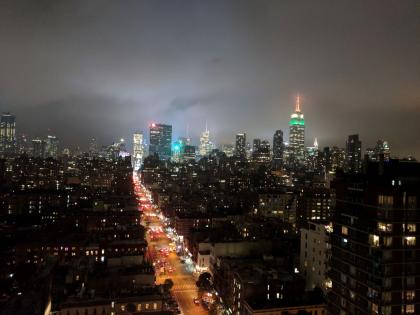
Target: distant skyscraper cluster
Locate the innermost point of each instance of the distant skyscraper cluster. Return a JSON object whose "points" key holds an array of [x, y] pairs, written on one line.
{"points": [[278, 153]]}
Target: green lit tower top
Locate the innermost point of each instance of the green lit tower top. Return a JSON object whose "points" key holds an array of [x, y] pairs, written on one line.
{"points": [[297, 134]]}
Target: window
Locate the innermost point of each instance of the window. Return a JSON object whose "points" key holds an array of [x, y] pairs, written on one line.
{"points": [[411, 281], [384, 227], [411, 227], [387, 254], [386, 310], [387, 241], [344, 230], [409, 240], [387, 282], [385, 201], [155, 306], [409, 295], [386, 296], [409, 309], [411, 202], [147, 306], [374, 240]]}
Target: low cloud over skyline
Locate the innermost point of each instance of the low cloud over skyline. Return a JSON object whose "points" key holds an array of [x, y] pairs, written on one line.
{"points": [[103, 69]]}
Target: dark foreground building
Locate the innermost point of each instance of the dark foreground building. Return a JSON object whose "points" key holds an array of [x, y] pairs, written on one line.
{"points": [[375, 265]]}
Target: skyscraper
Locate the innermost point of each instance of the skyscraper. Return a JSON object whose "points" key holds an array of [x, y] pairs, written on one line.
{"points": [[256, 144], [51, 146], [374, 258], [278, 148], [160, 140], [7, 134], [205, 143], [138, 150], [38, 148], [297, 135], [93, 147], [382, 150], [262, 152], [353, 154], [240, 150]]}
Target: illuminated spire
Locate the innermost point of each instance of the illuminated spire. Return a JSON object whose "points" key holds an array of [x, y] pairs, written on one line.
{"points": [[316, 143], [298, 104], [207, 129]]}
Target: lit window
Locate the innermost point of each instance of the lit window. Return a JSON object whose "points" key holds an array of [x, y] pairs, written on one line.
{"points": [[409, 295], [385, 201], [409, 309], [409, 240], [411, 227], [384, 227], [374, 240], [344, 230], [155, 306]]}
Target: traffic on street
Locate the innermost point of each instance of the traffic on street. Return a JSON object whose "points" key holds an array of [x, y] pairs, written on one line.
{"points": [[165, 250]]}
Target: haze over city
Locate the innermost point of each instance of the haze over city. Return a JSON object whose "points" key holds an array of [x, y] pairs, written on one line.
{"points": [[106, 68]]}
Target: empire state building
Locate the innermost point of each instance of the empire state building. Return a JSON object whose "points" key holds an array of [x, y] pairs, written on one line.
{"points": [[297, 135]]}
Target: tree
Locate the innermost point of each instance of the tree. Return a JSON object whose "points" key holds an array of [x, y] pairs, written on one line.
{"points": [[168, 284], [204, 282]]}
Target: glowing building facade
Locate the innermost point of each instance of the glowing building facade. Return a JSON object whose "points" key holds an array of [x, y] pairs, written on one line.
{"points": [[206, 146], [138, 150], [297, 135]]}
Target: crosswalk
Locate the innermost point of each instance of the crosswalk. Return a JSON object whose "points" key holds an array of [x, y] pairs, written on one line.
{"points": [[184, 286]]}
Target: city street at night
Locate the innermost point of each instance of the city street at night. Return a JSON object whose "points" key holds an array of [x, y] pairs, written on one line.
{"points": [[162, 252]]}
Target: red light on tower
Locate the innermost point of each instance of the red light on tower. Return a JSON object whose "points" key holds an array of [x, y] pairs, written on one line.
{"points": [[153, 125]]}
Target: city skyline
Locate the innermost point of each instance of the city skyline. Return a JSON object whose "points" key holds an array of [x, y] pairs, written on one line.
{"points": [[246, 71]]}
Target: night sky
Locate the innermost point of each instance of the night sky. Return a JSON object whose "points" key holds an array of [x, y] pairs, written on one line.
{"points": [[103, 69]]}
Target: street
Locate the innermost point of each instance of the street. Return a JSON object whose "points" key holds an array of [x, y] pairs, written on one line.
{"points": [[163, 252]]}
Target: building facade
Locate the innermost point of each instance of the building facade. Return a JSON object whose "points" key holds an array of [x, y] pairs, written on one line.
{"points": [[160, 140], [375, 264], [138, 150], [240, 145], [297, 135], [353, 154], [315, 252], [205, 144], [7, 134], [278, 148]]}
